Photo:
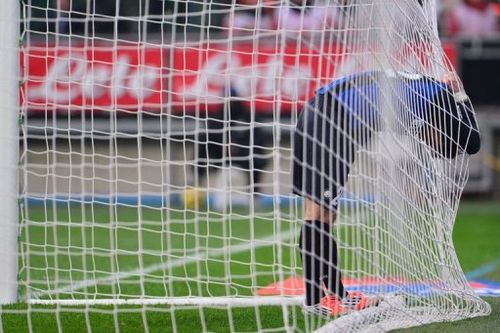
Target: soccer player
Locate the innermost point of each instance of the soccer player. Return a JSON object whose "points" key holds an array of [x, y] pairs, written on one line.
{"points": [[230, 133], [331, 128]]}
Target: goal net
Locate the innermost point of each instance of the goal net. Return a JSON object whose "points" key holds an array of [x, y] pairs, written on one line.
{"points": [[156, 153]]}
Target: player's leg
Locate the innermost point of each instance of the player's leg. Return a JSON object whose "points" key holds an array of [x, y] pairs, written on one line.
{"points": [[247, 141], [319, 254], [209, 147], [321, 164], [322, 270]]}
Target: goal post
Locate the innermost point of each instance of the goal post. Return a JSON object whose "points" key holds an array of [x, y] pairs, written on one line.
{"points": [[159, 149], [9, 145]]}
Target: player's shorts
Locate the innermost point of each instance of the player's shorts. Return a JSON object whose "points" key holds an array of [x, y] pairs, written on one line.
{"points": [[323, 152]]}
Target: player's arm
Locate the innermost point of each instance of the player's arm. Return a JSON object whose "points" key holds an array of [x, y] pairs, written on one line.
{"points": [[454, 128], [469, 138]]}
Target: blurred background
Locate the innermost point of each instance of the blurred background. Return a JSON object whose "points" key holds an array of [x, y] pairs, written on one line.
{"points": [[131, 104], [470, 32]]}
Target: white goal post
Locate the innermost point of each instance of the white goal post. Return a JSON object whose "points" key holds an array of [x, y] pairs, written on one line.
{"points": [[151, 151], [9, 144]]}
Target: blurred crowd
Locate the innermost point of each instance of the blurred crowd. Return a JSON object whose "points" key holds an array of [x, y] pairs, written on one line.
{"points": [[469, 18], [457, 18]]}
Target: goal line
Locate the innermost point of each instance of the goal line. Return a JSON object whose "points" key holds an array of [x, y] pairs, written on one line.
{"points": [[197, 301]]}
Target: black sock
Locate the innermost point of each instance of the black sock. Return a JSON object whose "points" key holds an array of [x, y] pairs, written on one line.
{"points": [[320, 261], [311, 261], [333, 279]]}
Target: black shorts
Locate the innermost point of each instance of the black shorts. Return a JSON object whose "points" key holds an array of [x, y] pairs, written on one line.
{"points": [[323, 151]]}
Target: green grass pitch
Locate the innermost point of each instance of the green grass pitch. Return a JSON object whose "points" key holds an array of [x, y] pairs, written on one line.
{"points": [[64, 242]]}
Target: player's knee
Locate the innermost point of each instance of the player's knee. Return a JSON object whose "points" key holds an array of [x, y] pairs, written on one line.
{"points": [[316, 212]]}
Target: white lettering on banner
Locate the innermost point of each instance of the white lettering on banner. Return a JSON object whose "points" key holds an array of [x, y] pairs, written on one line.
{"points": [[142, 82], [93, 82], [119, 75], [273, 79], [210, 80], [60, 82], [69, 78]]}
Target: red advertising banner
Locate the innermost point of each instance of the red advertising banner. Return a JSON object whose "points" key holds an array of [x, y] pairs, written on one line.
{"points": [[268, 78], [182, 80], [262, 76], [92, 78]]}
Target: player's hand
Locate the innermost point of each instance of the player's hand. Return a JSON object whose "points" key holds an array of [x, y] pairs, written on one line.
{"points": [[452, 81]]}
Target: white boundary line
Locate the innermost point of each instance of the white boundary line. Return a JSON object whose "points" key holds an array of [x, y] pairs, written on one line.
{"points": [[195, 301], [197, 256]]}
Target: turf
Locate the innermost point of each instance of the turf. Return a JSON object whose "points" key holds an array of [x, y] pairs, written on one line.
{"points": [[476, 235], [487, 324], [166, 238], [164, 319]]}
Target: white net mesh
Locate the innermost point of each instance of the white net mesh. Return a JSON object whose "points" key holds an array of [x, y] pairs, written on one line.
{"points": [[157, 151]]}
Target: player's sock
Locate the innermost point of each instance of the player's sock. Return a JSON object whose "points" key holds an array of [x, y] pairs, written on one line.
{"points": [[333, 279], [313, 255]]}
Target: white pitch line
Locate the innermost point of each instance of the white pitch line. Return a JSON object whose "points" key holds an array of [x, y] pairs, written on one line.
{"points": [[201, 255], [194, 301]]}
